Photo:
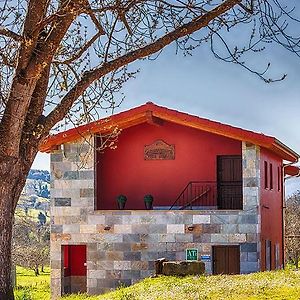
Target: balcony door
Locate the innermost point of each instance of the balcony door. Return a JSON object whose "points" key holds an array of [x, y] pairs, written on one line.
{"points": [[229, 177]]}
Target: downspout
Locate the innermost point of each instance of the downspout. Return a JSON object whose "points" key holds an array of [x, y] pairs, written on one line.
{"points": [[283, 207]]}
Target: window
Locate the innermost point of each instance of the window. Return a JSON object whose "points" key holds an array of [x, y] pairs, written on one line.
{"points": [[266, 175], [271, 177], [268, 257], [278, 179]]}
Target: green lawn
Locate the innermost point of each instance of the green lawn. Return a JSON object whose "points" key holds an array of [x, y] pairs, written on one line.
{"points": [[31, 287], [268, 285]]}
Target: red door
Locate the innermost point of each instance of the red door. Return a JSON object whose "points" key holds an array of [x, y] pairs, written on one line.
{"points": [[74, 258]]}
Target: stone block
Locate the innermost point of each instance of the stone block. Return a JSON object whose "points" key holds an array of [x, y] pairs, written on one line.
{"points": [[252, 256], [249, 247], [62, 201], [56, 157], [122, 265], [96, 219], [122, 228], [251, 182], [104, 228], [201, 219], [165, 238], [86, 192], [87, 228], [105, 265], [86, 175], [71, 228], [181, 238], [211, 228], [176, 247], [219, 219], [131, 274], [91, 282], [237, 238], [193, 228], [56, 228], [229, 228], [55, 264], [113, 274], [248, 219], [249, 267], [219, 238], [96, 274], [105, 246], [71, 175], [130, 219], [107, 283], [132, 238], [251, 237], [132, 256], [175, 228], [247, 228], [139, 265], [202, 238], [60, 237], [142, 228], [123, 246], [147, 220], [139, 246], [55, 273], [114, 255], [157, 228], [183, 268], [112, 220]]}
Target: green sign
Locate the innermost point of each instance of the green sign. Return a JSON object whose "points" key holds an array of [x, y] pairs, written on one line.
{"points": [[191, 254]]}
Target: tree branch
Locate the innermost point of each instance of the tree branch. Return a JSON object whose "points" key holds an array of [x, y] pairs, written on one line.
{"points": [[6, 32], [81, 51], [199, 22]]}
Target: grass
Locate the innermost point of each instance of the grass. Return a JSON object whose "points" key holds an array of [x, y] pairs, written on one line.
{"points": [[266, 285], [31, 287]]}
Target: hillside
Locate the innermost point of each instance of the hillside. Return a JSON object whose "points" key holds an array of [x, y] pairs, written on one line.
{"points": [[35, 198]]}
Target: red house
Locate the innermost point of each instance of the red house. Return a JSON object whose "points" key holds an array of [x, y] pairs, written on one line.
{"points": [[215, 188]]}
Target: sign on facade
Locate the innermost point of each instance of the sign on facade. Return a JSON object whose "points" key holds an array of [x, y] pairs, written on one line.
{"points": [[159, 150], [191, 254], [205, 257]]}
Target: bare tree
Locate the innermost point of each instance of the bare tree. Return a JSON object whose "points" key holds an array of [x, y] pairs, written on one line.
{"points": [[65, 59], [30, 245], [292, 229]]}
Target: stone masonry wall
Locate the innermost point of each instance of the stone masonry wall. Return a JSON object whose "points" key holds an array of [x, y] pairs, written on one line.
{"points": [[123, 245]]}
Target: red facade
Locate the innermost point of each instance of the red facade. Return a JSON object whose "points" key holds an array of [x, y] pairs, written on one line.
{"points": [[271, 209], [125, 170]]}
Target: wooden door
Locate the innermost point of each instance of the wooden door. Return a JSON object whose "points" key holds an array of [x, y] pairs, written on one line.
{"points": [[229, 182], [226, 259]]}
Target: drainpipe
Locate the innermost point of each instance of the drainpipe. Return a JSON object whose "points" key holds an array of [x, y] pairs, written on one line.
{"points": [[284, 207]]}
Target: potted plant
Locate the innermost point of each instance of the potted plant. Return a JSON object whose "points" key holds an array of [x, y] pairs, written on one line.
{"points": [[148, 199], [121, 200]]}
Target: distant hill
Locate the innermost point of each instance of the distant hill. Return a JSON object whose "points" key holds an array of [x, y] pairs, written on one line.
{"points": [[35, 197], [42, 175]]}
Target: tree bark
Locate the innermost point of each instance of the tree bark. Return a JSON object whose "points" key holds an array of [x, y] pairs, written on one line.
{"points": [[13, 173]]}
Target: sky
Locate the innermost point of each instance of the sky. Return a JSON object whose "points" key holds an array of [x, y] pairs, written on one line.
{"points": [[204, 86]]}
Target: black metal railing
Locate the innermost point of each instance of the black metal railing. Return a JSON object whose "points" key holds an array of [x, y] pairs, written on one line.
{"points": [[197, 195]]}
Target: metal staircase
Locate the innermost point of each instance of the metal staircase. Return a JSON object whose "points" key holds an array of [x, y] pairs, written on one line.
{"points": [[197, 195]]}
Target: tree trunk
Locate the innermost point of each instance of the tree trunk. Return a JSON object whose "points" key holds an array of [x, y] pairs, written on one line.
{"points": [[36, 270], [13, 173]]}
